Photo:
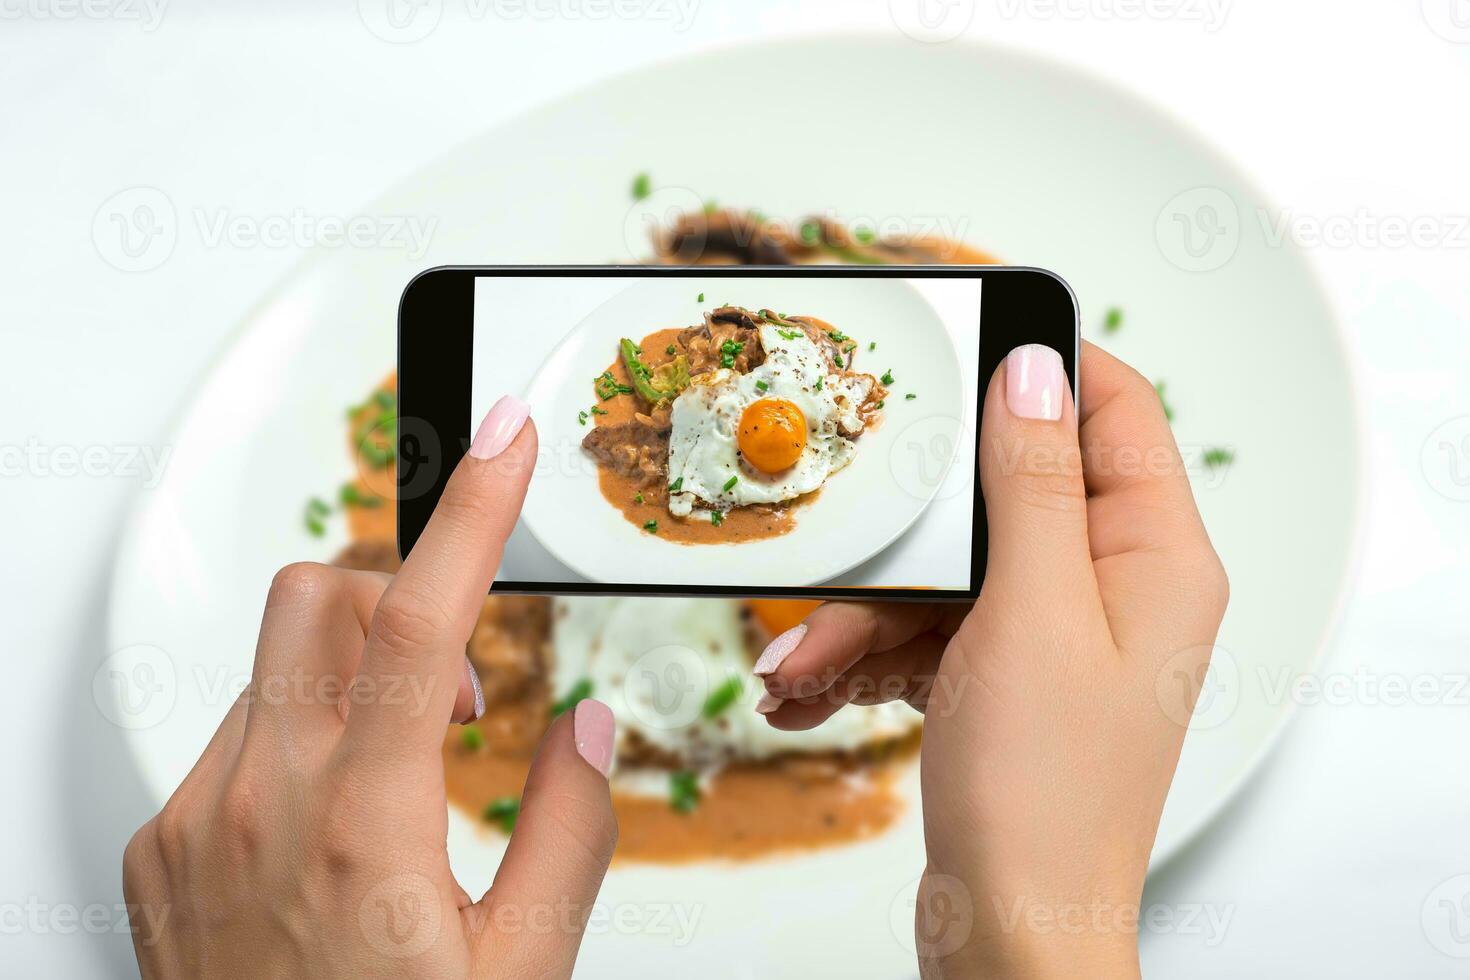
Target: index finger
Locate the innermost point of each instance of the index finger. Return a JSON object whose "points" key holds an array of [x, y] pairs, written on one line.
{"points": [[414, 655]]}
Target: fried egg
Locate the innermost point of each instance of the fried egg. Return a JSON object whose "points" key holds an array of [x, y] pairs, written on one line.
{"points": [[762, 437], [677, 675]]}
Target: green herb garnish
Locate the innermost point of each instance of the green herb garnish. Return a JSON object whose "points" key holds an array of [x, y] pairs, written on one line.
{"points": [[651, 527], [716, 518], [762, 386], [669, 349], [316, 512], [607, 386], [839, 336], [684, 791], [864, 236], [638, 498], [700, 299], [1168, 409], [837, 360], [788, 334], [722, 697], [880, 404], [502, 811], [1113, 320], [598, 411], [581, 418], [887, 378], [676, 485], [910, 397], [472, 738], [350, 496], [1218, 457], [811, 232], [710, 206], [581, 689], [641, 186], [872, 346], [730, 484], [818, 385], [730, 350]]}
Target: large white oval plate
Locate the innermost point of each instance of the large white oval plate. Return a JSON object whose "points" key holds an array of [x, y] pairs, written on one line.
{"points": [[861, 511], [1044, 165]]}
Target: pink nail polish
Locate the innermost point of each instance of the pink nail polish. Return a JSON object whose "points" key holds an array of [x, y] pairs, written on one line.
{"points": [[1035, 382], [768, 703], [592, 728], [475, 686], [500, 427], [778, 650]]}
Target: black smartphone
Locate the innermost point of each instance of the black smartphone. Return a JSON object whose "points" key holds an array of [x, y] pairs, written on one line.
{"points": [[784, 431]]}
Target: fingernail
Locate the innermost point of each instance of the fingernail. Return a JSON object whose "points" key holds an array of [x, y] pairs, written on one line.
{"points": [[499, 428], [592, 728], [479, 691], [768, 703], [778, 650], [1034, 382]]}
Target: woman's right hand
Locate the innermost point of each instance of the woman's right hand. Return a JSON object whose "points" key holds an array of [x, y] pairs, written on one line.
{"points": [[1057, 705]]}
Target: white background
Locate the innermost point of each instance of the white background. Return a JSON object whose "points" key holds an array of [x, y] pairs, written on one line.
{"points": [[1329, 859]]}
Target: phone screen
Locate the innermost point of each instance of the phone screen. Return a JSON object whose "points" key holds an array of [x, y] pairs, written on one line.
{"points": [[773, 433]]}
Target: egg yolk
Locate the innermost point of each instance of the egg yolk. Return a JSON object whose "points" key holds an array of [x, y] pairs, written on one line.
{"points": [[779, 615], [772, 434]]}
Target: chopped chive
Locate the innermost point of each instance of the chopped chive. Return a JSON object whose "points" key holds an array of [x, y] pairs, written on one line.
{"points": [[710, 206], [676, 485], [684, 791], [472, 739], [879, 405], [316, 510], [581, 689], [887, 378], [1168, 409], [872, 346], [350, 496], [716, 518], [651, 527], [910, 397], [598, 411], [638, 498], [700, 299], [502, 811], [1218, 457], [864, 236], [762, 386], [581, 418], [789, 334], [839, 336], [722, 697], [811, 232], [669, 349], [641, 186], [818, 385], [730, 484], [837, 359], [730, 350], [1113, 320]]}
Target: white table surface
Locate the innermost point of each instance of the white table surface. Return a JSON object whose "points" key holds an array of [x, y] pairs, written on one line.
{"points": [[1323, 866]]}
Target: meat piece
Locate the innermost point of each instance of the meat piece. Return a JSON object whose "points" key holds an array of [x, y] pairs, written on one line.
{"points": [[638, 447], [723, 237], [510, 647], [369, 556], [703, 344]]}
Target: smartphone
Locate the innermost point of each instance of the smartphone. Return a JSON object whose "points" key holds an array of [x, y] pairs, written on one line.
{"points": [[781, 431]]}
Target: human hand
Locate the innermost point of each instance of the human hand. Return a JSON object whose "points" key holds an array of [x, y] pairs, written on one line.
{"points": [[309, 839], [1049, 742]]}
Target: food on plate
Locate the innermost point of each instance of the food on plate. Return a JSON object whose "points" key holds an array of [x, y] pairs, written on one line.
{"points": [[713, 433]]}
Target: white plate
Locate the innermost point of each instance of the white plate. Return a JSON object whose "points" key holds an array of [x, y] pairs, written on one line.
{"points": [[861, 510], [1044, 165]]}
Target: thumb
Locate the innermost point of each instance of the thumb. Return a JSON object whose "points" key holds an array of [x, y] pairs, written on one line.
{"points": [[536, 911], [1031, 476]]}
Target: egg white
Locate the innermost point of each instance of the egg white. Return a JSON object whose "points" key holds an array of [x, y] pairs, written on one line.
{"points": [[703, 445], [619, 644]]}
